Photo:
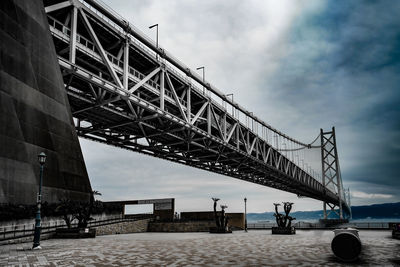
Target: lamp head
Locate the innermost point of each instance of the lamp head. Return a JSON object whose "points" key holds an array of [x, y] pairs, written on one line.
{"points": [[152, 26], [42, 158]]}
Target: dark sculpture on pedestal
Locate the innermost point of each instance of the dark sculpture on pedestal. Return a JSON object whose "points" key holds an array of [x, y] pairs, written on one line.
{"points": [[221, 221], [395, 230], [284, 222]]}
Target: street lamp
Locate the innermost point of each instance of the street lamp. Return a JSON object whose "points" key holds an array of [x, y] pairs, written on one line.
{"points": [[285, 150], [36, 237], [252, 121], [276, 141], [151, 27], [204, 75], [233, 113], [245, 214]]}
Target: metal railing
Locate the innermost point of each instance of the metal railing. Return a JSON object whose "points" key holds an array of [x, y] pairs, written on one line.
{"points": [[171, 66], [26, 230], [89, 45], [311, 225]]}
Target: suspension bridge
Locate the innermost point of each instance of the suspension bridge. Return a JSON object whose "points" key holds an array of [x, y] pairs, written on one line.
{"points": [[126, 91]]}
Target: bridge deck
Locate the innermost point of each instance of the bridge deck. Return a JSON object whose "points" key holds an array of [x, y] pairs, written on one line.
{"points": [[121, 93]]}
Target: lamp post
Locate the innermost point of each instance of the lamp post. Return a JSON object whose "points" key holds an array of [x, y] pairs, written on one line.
{"points": [[276, 141], [252, 121], [245, 214], [285, 150], [204, 75], [233, 114], [151, 27], [36, 237]]}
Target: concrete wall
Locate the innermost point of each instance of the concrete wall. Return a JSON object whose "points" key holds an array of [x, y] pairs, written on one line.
{"points": [[167, 214], [123, 228], [163, 208], [111, 229], [35, 115], [235, 219], [195, 226]]}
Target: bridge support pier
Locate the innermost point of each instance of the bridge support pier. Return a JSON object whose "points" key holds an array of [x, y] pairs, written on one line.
{"points": [[35, 112]]}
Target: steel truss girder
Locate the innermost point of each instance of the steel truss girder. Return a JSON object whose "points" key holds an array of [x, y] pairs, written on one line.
{"points": [[300, 185], [100, 48], [199, 118], [57, 6]]}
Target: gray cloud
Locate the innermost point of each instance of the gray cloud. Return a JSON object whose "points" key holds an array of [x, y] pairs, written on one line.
{"points": [[342, 69]]}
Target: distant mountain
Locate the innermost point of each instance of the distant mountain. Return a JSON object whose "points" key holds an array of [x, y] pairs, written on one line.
{"points": [[376, 211]]}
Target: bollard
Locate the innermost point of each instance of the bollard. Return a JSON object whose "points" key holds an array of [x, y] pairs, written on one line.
{"points": [[346, 245]]}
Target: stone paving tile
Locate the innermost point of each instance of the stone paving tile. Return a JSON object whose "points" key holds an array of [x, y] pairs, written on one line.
{"points": [[255, 248]]}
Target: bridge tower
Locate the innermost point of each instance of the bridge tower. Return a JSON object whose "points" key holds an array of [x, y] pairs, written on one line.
{"points": [[347, 195], [331, 176]]}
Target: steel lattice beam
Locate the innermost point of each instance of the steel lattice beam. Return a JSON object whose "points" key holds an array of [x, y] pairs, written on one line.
{"points": [[122, 105]]}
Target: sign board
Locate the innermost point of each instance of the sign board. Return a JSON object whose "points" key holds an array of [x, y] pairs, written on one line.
{"points": [[162, 206]]}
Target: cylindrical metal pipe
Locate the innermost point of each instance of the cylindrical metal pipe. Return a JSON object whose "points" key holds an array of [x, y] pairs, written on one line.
{"points": [[346, 245]]}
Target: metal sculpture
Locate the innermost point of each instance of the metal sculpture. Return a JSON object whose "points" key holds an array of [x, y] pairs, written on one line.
{"points": [[223, 218], [284, 221], [395, 230], [221, 221], [217, 221]]}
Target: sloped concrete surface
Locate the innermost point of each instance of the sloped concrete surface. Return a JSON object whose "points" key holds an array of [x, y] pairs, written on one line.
{"points": [[35, 114]]}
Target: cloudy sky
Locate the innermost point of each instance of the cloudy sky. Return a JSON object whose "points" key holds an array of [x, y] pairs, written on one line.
{"points": [[298, 65]]}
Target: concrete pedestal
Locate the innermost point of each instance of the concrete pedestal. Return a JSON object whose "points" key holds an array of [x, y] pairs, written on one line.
{"points": [[215, 230], [283, 230]]}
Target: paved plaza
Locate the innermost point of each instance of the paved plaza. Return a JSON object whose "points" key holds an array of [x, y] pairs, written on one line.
{"points": [[255, 248]]}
